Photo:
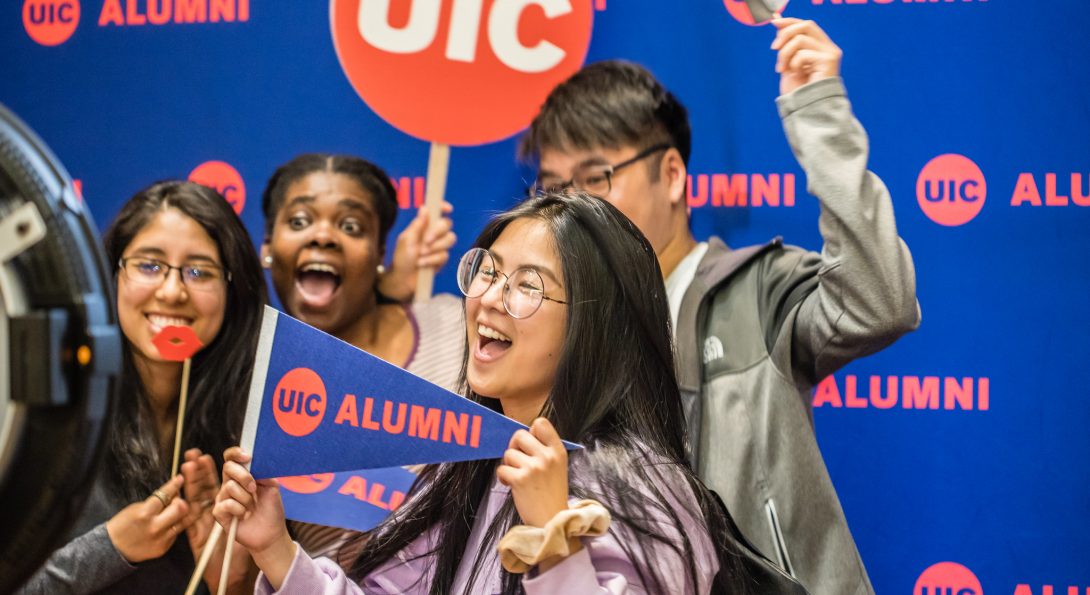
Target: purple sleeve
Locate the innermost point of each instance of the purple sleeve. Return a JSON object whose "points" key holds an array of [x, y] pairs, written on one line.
{"points": [[310, 575], [406, 572], [603, 566]]}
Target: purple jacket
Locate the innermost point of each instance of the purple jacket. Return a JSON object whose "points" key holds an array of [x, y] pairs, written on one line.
{"points": [[602, 566]]}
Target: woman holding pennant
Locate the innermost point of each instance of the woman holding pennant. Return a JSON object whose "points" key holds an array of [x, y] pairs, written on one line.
{"points": [[326, 222], [567, 329], [183, 259]]}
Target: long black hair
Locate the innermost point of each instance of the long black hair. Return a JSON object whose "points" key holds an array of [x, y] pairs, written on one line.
{"points": [[221, 371], [615, 391]]}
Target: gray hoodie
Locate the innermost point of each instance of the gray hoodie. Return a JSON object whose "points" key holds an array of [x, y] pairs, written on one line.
{"points": [[759, 326]]}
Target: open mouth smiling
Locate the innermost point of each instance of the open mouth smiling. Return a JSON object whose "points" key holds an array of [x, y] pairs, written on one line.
{"points": [[317, 283], [491, 344]]}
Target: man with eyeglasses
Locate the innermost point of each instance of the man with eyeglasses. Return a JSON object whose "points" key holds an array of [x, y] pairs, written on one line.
{"points": [[756, 327]]}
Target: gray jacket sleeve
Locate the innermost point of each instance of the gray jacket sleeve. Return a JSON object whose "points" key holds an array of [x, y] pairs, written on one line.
{"points": [[865, 295], [86, 564]]}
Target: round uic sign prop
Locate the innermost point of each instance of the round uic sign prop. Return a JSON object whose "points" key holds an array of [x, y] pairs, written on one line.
{"points": [[459, 72]]}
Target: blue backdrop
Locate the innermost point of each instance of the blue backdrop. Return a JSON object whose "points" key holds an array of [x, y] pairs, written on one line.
{"points": [[998, 487]]}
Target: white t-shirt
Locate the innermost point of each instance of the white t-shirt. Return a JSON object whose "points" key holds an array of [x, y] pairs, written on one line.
{"points": [[679, 281]]}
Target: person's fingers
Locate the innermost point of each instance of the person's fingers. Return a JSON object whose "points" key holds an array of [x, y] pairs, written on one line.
{"points": [[202, 469], [174, 514], [799, 42], [440, 243], [788, 32], [783, 21], [782, 35], [447, 208], [435, 261], [416, 227], [207, 467], [527, 443], [438, 229], [195, 511], [235, 491], [805, 60], [543, 430], [162, 497], [201, 482], [207, 462], [172, 486], [236, 454], [814, 30], [516, 458], [192, 454], [265, 485], [238, 473], [227, 510], [197, 473], [507, 475]]}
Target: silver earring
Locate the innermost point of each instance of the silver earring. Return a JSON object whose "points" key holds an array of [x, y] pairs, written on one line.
{"points": [[268, 260], [381, 269]]}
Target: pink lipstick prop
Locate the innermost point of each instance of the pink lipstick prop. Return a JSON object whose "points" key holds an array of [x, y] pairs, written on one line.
{"points": [[178, 344]]}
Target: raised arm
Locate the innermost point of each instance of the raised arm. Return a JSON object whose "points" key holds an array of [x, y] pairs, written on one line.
{"points": [[864, 296]]}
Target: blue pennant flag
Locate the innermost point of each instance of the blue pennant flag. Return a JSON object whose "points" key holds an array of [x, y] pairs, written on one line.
{"points": [[356, 500], [320, 405]]}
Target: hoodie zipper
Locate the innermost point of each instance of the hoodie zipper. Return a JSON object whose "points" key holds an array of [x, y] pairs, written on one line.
{"points": [[777, 537]]}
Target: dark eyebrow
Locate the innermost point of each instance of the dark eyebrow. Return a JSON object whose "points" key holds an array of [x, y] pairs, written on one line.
{"points": [[160, 255], [541, 269], [546, 272], [148, 252], [304, 199], [596, 160], [593, 161], [352, 203]]}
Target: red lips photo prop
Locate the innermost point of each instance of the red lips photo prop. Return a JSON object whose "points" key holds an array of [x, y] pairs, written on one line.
{"points": [[177, 343]]}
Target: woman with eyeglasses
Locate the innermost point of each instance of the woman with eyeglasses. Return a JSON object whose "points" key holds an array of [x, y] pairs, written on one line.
{"points": [[326, 222], [567, 329], [183, 258]]}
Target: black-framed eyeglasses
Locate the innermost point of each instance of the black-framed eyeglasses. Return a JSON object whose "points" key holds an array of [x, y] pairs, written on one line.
{"points": [[593, 179], [523, 290], [150, 271]]}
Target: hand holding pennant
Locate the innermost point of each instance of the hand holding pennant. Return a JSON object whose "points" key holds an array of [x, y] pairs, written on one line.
{"points": [[318, 405], [460, 76]]}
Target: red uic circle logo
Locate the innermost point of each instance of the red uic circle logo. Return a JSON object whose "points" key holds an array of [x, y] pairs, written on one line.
{"points": [[50, 22], [947, 577], [299, 402], [224, 179], [741, 12], [951, 189], [306, 484], [459, 72]]}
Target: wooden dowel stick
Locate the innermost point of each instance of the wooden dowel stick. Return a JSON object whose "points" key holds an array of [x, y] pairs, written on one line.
{"points": [[181, 417], [435, 189], [227, 556], [206, 555]]}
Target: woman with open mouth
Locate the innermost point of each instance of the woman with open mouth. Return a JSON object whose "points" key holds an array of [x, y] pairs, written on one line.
{"points": [[183, 259], [567, 327], [326, 222]]}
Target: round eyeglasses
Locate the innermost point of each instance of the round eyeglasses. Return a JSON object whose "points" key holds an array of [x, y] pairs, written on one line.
{"points": [[149, 271], [523, 290]]}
